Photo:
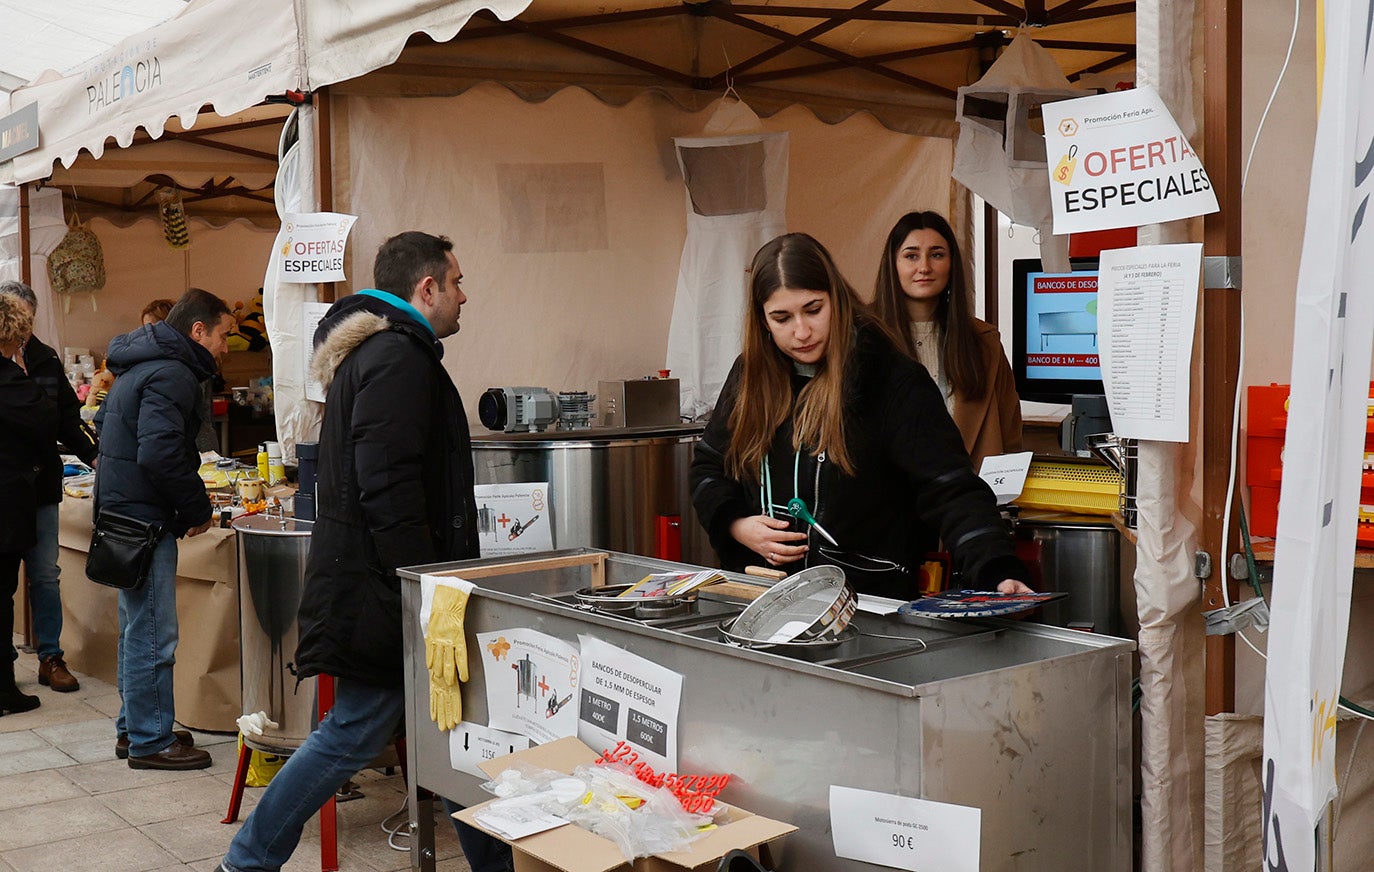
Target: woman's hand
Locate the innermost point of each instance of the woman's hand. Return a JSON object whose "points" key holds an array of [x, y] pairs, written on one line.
{"points": [[1011, 585], [769, 538]]}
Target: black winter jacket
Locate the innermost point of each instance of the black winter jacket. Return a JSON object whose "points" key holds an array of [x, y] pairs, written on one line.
{"points": [[394, 486], [149, 466], [28, 434], [75, 434], [913, 487]]}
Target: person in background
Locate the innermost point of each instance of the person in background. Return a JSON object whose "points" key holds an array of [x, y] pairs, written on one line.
{"points": [[923, 296], [40, 561], [28, 432], [207, 439], [156, 311], [823, 408], [149, 470], [395, 488]]}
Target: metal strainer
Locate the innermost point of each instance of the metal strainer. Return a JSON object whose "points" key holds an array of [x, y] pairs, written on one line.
{"points": [[816, 603]]}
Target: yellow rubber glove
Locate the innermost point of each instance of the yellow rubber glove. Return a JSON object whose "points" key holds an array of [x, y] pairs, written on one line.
{"points": [[445, 704], [446, 650]]}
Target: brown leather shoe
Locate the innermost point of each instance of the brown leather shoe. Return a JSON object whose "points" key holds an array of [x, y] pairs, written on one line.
{"points": [[177, 756], [122, 742], [52, 671]]}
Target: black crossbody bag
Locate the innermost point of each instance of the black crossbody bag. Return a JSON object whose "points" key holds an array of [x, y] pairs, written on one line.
{"points": [[121, 550]]}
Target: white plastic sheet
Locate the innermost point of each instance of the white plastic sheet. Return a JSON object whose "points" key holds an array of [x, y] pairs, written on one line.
{"points": [[736, 201]]}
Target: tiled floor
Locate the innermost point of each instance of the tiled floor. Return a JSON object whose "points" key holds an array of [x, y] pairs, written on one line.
{"points": [[66, 803]]}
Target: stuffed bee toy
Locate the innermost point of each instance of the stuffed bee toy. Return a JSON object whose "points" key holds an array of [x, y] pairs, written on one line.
{"points": [[251, 332]]}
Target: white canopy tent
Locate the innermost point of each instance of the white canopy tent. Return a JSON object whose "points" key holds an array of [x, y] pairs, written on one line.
{"points": [[900, 67]]}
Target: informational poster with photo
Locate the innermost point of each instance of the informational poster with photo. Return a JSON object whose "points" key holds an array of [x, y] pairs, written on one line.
{"points": [[1120, 160], [1061, 326], [627, 698], [532, 681], [312, 246], [513, 518]]}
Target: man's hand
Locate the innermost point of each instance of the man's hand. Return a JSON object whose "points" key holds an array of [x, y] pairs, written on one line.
{"points": [[1011, 585], [196, 531]]}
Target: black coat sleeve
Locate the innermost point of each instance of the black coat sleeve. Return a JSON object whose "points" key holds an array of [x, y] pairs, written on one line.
{"points": [[720, 500], [924, 443], [75, 434]]}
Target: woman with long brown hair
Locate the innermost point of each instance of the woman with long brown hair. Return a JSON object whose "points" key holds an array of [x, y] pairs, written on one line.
{"points": [[823, 409], [922, 296]]}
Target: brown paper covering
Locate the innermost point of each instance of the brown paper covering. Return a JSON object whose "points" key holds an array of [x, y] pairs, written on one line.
{"points": [[206, 677]]}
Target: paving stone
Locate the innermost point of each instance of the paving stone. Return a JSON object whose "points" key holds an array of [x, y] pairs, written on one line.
{"points": [[124, 850], [193, 837], [36, 788], [161, 802], [69, 818], [32, 761]]}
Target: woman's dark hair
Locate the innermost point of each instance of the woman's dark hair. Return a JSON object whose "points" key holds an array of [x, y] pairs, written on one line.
{"points": [[405, 259], [961, 354], [197, 305]]}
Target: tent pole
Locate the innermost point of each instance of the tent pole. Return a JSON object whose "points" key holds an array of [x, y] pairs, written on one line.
{"points": [[1221, 312], [324, 169], [26, 276]]}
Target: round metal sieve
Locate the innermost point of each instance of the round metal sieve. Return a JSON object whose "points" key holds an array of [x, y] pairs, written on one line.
{"points": [[815, 603]]}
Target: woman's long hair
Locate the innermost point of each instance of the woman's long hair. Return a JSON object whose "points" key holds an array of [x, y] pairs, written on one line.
{"points": [[961, 354], [764, 400]]}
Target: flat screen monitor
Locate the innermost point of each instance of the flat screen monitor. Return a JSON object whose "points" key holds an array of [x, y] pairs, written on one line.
{"points": [[1054, 331]]}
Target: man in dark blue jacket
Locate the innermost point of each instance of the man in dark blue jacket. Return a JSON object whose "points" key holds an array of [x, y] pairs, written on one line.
{"points": [[148, 469], [394, 489], [40, 561]]}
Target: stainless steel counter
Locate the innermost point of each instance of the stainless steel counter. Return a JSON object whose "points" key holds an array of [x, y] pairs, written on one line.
{"points": [[1029, 723]]}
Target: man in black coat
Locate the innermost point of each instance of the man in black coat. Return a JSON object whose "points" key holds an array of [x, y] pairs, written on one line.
{"points": [[148, 469], [394, 489], [40, 561]]}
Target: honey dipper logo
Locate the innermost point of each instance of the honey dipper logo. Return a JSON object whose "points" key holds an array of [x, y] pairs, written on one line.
{"points": [[499, 648]]}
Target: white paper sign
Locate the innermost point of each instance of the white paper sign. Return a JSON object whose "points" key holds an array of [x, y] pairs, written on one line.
{"points": [[531, 683], [1119, 160], [311, 315], [312, 245], [514, 518], [514, 821], [903, 832], [470, 745], [1006, 474], [1147, 306], [625, 697]]}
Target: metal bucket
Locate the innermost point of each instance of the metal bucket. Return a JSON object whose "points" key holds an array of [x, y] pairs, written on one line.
{"points": [[272, 554]]}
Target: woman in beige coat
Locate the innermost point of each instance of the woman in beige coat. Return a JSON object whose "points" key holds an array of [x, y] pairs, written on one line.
{"points": [[923, 295]]}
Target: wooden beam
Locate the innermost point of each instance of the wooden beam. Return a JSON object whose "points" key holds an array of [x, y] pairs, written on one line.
{"points": [[25, 256], [1004, 7], [860, 63], [828, 66], [1103, 66], [788, 41], [471, 33], [1068, 8], [1221, 310], [549, 34], [956, 18], [1091, 12]]}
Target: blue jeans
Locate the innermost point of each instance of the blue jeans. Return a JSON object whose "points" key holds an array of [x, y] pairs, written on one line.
{"points": [[147, 652], [361, 723], [484, 853], [40, 568]]}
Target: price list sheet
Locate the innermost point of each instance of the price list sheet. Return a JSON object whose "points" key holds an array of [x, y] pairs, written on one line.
{"points": [[1147, 310]]}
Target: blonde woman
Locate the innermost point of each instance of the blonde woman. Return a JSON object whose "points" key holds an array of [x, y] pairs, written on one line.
{"points": [[28, 432], [821, 407]]}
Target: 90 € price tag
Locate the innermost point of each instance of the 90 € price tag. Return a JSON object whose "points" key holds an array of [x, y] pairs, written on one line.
{"points": [[903, 832]]}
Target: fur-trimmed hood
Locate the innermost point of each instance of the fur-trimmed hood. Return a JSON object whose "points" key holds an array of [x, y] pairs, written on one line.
{"points": [[352, 321]]}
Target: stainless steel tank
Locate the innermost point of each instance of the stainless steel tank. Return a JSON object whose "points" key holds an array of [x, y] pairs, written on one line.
{"points": [[1082, 558], [617, 488], [272, 553]]}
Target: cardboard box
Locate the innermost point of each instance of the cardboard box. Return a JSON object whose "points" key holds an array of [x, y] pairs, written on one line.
{"points": [[573, 849]]}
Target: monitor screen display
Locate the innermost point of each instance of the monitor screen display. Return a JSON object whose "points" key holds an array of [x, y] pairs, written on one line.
{"points": [[1054, 324]]}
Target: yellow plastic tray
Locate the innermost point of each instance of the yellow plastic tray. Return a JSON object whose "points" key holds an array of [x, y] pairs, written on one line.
{"points": [[1071, 487]]}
